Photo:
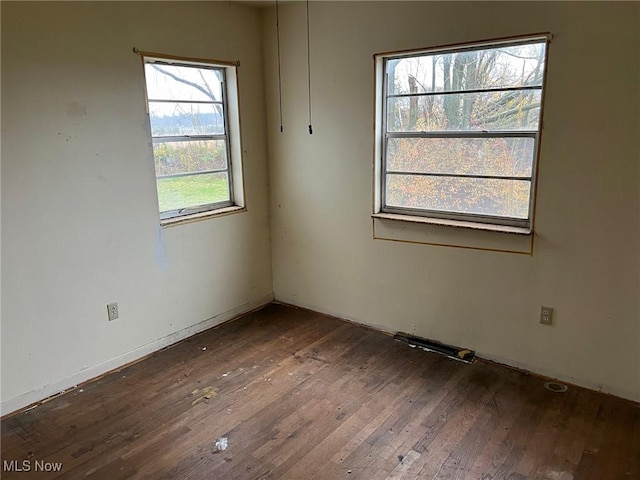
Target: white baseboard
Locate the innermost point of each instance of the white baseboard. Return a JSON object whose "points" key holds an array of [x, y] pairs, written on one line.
{"points": [[39, 394], [525, 368], [546, 373]]}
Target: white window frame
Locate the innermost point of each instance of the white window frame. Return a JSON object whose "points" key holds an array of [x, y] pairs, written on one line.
{"points": [[443, 217], [231, 136]]}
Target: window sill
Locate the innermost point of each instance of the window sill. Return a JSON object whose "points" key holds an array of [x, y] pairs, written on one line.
{"points": [[196, 217], [454, 223]]}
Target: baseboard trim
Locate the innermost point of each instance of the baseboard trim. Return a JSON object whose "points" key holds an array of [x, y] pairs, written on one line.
{"points": [[525, 369], [548, 375], [36, 397]]}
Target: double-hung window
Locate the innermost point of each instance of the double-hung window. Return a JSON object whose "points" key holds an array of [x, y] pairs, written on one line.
{"points": [[458, 130], [195, 133]]}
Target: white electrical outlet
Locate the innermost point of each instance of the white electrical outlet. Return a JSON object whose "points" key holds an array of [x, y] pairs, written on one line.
{"points": [[112, 311], [546, 315]]}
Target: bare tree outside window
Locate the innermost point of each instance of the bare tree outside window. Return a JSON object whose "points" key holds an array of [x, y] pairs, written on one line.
{"points": [[460, 130], [187, 113]]}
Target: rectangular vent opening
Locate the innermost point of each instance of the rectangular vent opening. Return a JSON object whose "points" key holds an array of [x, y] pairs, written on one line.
{"points": [[456, 353]]}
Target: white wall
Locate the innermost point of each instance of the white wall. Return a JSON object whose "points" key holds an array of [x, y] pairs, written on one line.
{"points": [[587, 246], [79, 206]]}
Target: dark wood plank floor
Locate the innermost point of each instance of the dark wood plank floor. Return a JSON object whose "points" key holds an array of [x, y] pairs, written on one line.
{"points": [[299, 395]]}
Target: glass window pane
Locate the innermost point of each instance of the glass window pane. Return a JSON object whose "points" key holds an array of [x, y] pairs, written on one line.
{"points": [[513, 110], [173, 82], [192, 191], [184, 118], [508, 157], [187, 157], [506, 66], [502, 198]]}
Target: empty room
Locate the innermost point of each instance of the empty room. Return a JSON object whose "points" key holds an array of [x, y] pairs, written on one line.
{"points": [[320, 240]]}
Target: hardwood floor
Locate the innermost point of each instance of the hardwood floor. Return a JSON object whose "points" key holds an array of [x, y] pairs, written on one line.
{"points": [[300, 395]]}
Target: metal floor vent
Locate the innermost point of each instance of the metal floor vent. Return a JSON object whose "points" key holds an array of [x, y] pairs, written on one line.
{"points": [[460, 354]]}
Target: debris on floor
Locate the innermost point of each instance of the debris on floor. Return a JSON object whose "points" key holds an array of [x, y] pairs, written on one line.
{"points": [[464, 353], [205, 394], [220, 445]]}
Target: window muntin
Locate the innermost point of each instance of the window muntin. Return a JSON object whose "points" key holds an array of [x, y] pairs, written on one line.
{"points": [[459, 131], [189, 116]]}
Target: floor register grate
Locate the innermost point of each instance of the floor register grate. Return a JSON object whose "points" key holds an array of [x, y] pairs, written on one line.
{"points": [[456, 353]]}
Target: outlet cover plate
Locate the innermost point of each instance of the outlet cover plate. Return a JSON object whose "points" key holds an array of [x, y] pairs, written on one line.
{"points": [[112, 311], [546, 315]]}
